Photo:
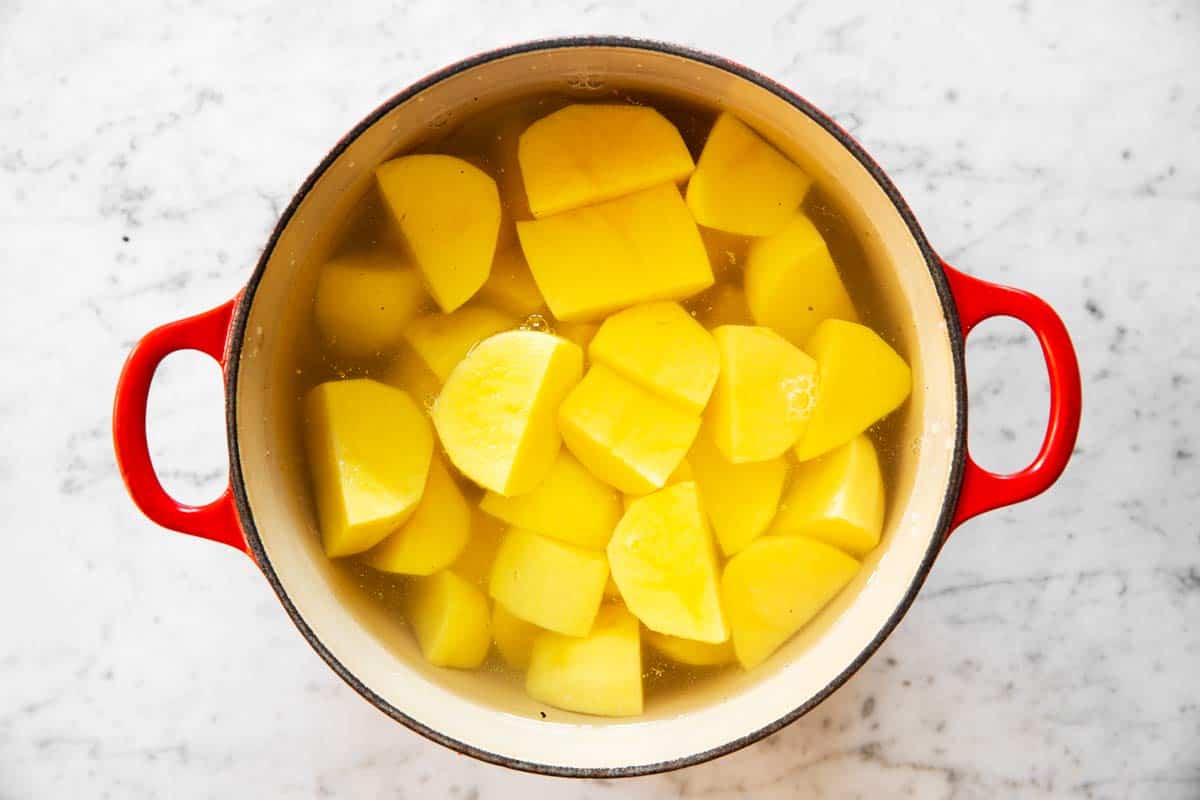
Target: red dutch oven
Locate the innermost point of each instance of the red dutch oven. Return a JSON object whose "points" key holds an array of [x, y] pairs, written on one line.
{"points": [[267, 512]]}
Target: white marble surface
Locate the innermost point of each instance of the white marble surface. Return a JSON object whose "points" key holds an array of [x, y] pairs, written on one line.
{"points": [[145, 151]]}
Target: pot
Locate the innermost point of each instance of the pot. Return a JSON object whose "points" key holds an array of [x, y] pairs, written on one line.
{"points": [[266, 511]]}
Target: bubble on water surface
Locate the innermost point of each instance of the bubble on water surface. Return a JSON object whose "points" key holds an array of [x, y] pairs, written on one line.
{"points": [[801, 394], [537, 322]]}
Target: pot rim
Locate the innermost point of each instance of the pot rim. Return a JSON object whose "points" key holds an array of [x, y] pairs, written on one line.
{"points": [[938, 535]]}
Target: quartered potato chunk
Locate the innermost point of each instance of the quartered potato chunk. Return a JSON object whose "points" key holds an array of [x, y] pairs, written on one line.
{"points": [[450, 619], [792, 282], [496, 413], [775, 586], [600, 673], [742, 184], [552, 584], [689, 651], [837, 498], [662, 560], [434, 536], [861, 380], [364, 300], [369, 447], [443, 340], [448, 211], [634, 249], [740, 499], [585, 154]]}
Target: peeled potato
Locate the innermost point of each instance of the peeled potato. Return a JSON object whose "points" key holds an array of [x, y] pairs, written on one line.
{"points": [[448, 211], [637, 248], [740, 499], [742, 184], [513, 636], [587, 153], [792, 282], [496, 413], [569, 504], [691, 652], [600, 673], [475, 561], [662, 560], [861, 380], [442, 340], [434, 536], [450, 619], [510, 286], [625, 435], [552, 584], [662, 348], [364, 300], [775, 586], [369, 447], [837, 498], [764, 395]]}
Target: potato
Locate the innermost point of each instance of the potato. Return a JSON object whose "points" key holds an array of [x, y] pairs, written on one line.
{"points": [[627, 436], [598, 674], [660, 347], [837, 498], [792, 282], [448, 211], [369, 447], [496, 413], [662, 559], [450, 619], [364, 300], [475, 561], [442, 340], [552, 584], [775, 586], [724, 304], [742, 184], [691, 652], [764, 394], [861, 380], [434, 536], [739, 499], [682, 473], [581, 333], [584, 154], [513, 636], [606, 257], [510, 286], [569, 504]]}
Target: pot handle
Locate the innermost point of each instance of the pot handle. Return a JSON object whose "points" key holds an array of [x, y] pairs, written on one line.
{"points": [[206, 333], [976, 301]]}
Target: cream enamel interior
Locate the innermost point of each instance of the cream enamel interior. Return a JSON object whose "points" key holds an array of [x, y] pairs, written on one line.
{"points": [[485, 711]]}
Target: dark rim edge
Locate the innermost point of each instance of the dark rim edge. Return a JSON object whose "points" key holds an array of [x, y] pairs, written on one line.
{"points": [[937, 537]]}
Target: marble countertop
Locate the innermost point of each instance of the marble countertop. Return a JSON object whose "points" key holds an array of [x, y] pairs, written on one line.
{"points": [[146, 150]]}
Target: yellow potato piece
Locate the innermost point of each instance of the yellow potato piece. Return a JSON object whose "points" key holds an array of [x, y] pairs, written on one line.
{"points": [[443, 340], [434, 536], [792, 282], [552, 584], [724, 304], [513, 636], [602, 258], [740, 499], [581, 333], [598, 674], [861, 380], [449, 616], [475, 561], [569, 504], [764, 394], [369, 447], [364, 300], [662, 559], [496, 413], [510, 286], [742, 184], [662, 348], [691, 652], [682, 473], [625, 435], [837, 498], [775, 586], [584, 154], [448, 211]]}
